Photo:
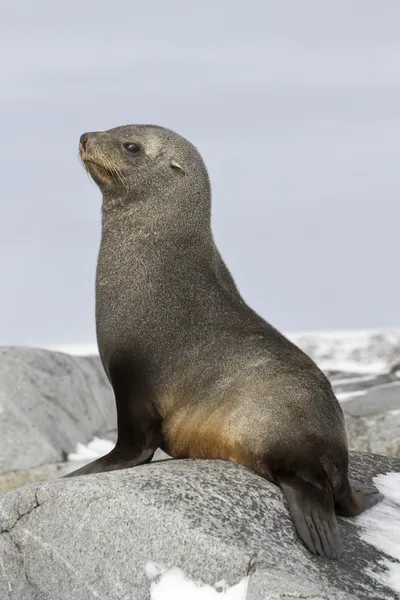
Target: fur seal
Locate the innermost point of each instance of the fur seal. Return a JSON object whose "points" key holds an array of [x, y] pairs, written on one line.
{"points": [[194, 369]]}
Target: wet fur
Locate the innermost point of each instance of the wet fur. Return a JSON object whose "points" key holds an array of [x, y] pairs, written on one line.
{"points": [[194, 370]]}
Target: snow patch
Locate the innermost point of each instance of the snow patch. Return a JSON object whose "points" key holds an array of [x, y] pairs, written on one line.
{"points": [[380, 527], [343, 396], [94, 449], [374, 367], [352, 351], [173, 584]]}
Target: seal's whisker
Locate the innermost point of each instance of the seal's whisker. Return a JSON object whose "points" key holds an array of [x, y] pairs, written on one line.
{"points": [[121, 177], [108, 164], [116, 171]]}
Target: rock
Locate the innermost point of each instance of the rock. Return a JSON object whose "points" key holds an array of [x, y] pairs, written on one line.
{"points": [[371, 404], [346, 385], [385, 398], [10, 480], [91, 537], [373, 420], [49, 402], [395, 368]]}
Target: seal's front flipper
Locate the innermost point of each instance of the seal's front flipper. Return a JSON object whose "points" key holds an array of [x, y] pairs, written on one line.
{"points": [[353, 498], [118, 458], [313, 516]]}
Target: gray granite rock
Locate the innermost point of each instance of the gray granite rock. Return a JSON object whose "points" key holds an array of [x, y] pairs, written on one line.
{"points": [[345, 384], [395, 368], [91, 537], [371, 405], [385, 398], [49, 402]]}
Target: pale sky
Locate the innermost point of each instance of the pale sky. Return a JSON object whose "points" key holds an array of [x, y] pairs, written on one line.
{"points": [[295, 107]]}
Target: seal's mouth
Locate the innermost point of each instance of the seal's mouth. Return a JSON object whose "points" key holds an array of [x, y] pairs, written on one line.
{"points": [[100, 165], [90, 161], [95, 167], [86, 159]]}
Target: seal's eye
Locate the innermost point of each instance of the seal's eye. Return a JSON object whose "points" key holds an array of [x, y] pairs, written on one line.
{"points": [[132, 148]]}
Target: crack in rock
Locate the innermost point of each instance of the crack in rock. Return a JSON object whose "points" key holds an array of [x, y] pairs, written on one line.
{"points": [[6, 527], [10, 519], [23, 569]]}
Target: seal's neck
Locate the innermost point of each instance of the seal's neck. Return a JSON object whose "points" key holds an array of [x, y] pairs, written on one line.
{"points": [[179, 211], [156, 255]]}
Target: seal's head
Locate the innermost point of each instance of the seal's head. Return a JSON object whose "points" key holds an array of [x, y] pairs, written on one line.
{"points": [[133, 160]]}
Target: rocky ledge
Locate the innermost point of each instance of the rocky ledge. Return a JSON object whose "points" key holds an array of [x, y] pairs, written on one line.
{"points": [[92, 537]]}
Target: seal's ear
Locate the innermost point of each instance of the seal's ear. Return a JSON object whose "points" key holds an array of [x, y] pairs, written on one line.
{"points": [[174, 165]]}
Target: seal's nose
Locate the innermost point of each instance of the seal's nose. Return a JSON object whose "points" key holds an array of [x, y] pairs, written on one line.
{"points": [[83, 140]]}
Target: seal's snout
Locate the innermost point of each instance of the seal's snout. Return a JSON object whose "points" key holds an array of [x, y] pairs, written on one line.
{"points": [[97, 159], [83, 140]]}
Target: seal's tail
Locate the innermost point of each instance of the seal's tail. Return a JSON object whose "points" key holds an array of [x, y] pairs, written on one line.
{"points": [[313, 513]]}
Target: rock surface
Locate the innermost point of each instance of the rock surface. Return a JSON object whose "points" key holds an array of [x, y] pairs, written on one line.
{"points": [[371, 405], [91, 537], [49, 402]]}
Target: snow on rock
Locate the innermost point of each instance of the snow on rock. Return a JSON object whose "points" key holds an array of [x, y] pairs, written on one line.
{"points": [[354, 351], [85, 453], [380, 527], [343, 396], [94, 449], [173, 584]]}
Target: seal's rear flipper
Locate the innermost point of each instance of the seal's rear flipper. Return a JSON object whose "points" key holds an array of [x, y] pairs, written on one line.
{"points": [[115, 460], [312, 511], [354, 497]]}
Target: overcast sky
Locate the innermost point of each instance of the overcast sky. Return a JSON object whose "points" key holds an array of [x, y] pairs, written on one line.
{"points": [[295, 107]]}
